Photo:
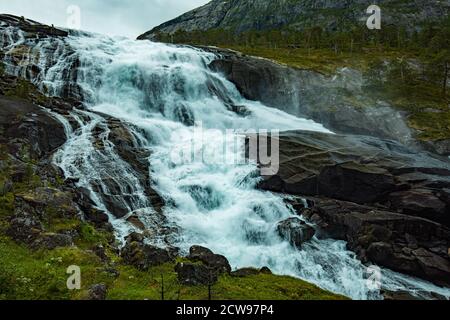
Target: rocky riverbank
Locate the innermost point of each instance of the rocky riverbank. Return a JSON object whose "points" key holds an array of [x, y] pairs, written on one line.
{"points": [[340, 101], [47, 223], [390, 203]]}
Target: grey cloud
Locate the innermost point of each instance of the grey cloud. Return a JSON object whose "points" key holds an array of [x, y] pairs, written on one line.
{"points": [[114, 17]]}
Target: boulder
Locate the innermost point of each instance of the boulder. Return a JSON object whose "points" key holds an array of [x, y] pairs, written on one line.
{"points": [[407, 244], [295, 231], [24, 227], [20, 119], [265, 270], [192, 274], [217, 262], [363, 170], [246, 272], [143, 256], [98, 292]]}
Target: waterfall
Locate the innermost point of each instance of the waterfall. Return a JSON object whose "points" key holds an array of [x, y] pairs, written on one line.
{"points": [[164, 93]]}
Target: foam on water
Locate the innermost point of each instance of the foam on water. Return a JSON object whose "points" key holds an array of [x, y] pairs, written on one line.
{"points": [[162, 91]]}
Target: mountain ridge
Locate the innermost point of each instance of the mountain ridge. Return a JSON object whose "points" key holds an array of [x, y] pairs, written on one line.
{"points": [[246, 15]]}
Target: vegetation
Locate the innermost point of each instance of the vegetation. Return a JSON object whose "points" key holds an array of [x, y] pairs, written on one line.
{"points": [[40, 274], [407, 68], [33, 275], [28, 274]]}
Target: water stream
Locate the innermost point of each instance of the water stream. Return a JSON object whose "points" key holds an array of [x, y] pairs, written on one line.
{"points": [[165, 93]]}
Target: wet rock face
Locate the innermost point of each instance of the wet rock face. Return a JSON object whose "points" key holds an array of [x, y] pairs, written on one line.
{"points": [[312, 95], [363, 170], [30, 51], [407, 244], [137, 158], [388, 202], [295, 231], [41, 133]]}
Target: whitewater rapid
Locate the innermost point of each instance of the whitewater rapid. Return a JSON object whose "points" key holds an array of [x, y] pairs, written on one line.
{"points": [[164, 93]]}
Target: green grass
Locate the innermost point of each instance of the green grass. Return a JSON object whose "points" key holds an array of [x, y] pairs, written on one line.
{"points": [[428, 110], [324, 61], [38, 275]]}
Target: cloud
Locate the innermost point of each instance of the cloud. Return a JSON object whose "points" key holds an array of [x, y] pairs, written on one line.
{"points": [[114, 17]]}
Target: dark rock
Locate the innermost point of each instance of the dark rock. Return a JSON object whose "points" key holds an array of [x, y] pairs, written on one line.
{"points": [[398, 296], [24, 228], [52, 241], [245, 272], [144, 256], [100, 252], [195, 274], [406, 244], [363, 170], [295, 231], [43, 201], [22, 120], [98, 292], [217, 262], [295, 91], [265, 270], [420, 202], [135, 237], [99, 218], [136, 157], [241, 16], [135, 221]]}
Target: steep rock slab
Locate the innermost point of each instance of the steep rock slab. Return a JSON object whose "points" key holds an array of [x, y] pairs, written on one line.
{"points": [[407, 244], [23, 120], [309, 94], [363, 170]]}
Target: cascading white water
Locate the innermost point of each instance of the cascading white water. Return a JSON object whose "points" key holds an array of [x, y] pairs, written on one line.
{"points": [[162, 90]]}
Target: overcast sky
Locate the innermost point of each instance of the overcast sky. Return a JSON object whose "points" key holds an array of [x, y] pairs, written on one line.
{"points": [[114, 17]]}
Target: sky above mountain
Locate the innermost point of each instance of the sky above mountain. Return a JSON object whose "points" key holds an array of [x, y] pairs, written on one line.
{"points": [[114, 17]]}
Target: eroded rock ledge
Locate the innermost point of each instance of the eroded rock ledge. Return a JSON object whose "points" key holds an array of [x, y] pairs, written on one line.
{"points": [[390, 203], [322, 98]]}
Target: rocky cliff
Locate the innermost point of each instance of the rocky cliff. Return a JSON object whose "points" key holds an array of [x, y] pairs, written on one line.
{"points": [[245, 15], [390, 203], [48, 222], [339, 101]]}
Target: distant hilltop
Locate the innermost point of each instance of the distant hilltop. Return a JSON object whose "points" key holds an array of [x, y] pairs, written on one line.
{"points": [[244, 15]]}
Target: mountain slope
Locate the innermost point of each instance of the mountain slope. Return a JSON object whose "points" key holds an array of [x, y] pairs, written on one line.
{"points": [[244, 15]]}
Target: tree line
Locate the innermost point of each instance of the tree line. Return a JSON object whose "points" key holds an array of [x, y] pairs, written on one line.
{"points": [[430, 41]]}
